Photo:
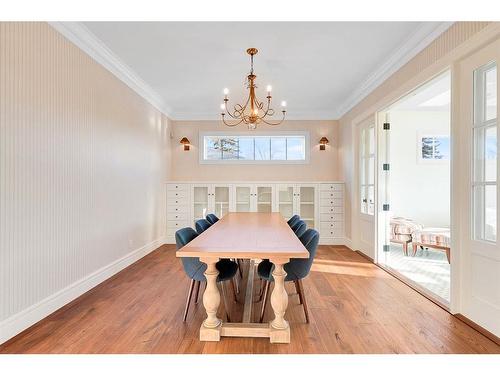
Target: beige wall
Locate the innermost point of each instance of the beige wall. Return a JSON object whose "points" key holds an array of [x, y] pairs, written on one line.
{"points": [[323, 165], [83, 161]]}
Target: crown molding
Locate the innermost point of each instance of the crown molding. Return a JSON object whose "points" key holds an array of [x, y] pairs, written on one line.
{"points": [[290, 115], [417, 41], [84, 39]]}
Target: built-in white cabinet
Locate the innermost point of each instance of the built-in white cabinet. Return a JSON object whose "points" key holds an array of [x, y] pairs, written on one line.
{"points": [[320, 205], [298, 199], [253, 198], [210, 198]]}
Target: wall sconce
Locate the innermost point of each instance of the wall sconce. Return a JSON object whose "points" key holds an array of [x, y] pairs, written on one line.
{"points": [[185, 142], [322, 143]]}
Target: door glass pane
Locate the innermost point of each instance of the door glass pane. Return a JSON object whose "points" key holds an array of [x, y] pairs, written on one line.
{"points": [[490, 213], [278, 148], [490, 154], [371, 170], [242, 198], [285, 201], [371, 140], [491, 94], [264, 199], [307, 205], [221, 200], [262, 148], [200, 202]]}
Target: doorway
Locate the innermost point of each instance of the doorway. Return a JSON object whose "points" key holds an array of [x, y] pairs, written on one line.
{"points": [[414, 181]]}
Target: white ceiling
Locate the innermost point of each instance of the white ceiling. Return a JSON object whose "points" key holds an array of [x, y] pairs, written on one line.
{"points": [[320, 69]]}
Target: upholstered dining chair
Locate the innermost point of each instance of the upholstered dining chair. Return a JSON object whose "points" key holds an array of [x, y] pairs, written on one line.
{"points": [[299, 227], [296, 270], [195, 270], [293, 220], [212, 219], [202, 225]]}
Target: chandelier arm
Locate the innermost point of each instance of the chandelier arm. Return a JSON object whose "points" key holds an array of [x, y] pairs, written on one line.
{"points": [[240, 112], [227, 110], [267, 109], [274, 123], [231, 125]]}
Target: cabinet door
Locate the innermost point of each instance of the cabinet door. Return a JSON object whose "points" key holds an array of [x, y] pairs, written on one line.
{"points": [[263, 197], [201, 201], [243, 198], [306, 204], [221, 197], [285, 196]]}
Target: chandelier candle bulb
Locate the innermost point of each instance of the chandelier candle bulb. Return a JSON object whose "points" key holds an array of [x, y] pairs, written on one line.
{"points": [[283, 104], [254, 111]]}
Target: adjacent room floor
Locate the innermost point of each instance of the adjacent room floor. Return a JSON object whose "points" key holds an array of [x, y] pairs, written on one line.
{"points": [[355, 307], [429, 268]]}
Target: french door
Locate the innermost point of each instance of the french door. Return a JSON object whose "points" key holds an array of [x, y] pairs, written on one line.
{"points": [[479, 256]]}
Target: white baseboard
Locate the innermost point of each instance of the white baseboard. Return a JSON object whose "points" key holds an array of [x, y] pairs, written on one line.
{"points": [[29, 316], [348, 243]]}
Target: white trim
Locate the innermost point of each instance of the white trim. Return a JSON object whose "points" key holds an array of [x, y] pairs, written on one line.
{"points": [[34, 313], [84, 39], [420, 39], [270, 133]]}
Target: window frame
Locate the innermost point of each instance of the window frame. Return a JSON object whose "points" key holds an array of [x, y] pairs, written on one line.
{"points": [[364, 161], [203, 134], [479, 123]]}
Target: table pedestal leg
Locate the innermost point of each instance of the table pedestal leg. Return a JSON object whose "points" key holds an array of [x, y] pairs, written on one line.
{"points": [[211, 327], [279, 330]]}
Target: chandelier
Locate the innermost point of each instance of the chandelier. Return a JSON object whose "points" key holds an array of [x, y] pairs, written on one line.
{"points": [[253, 111]]}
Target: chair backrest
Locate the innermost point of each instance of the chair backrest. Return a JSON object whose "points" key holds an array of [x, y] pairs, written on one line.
{"points": [[212, 219], [202, 225], [293, 220], [299, 268], [300, 228], [192, 266]]}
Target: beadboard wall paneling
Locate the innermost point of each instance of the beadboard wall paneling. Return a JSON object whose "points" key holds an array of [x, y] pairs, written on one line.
{"points": [[83, 161]]}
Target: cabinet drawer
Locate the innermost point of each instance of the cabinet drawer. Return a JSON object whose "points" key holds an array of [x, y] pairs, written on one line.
{"points": [[177, 194], [177, 187], [177, 201], [177, 208], [331, 195], [331, 187], [177, 216], [177, 224], [331, 210], [333, 225], [331, 217], [332, 202], [332, 232]]}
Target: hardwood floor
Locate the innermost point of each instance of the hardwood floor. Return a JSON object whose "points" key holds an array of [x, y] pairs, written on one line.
{"points": [[355, 307]]}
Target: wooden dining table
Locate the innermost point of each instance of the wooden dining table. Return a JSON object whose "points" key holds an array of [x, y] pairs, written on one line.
{"points": [[246, 235]]}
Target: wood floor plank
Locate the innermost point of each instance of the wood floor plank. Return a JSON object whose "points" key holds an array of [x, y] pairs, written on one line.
{"points": [[355, 307]]}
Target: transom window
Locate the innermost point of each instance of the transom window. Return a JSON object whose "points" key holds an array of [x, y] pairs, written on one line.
{"points": [[485, 153], [261, 148]]}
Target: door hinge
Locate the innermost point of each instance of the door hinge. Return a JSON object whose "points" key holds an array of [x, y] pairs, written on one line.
{"points": [[385, 166], [387, 126], [386, 248], [385, 207]]}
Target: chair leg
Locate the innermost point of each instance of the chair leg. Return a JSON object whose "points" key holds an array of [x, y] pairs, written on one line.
{"points": [[197, 292], [224, 298], [303, 299], [240, 261], [190, 292], [264, 300], [297, 288], [233, 284]]}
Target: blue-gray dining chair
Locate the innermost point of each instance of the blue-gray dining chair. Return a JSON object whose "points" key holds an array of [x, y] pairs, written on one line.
{"points": [[195, 270], [293, 220], [299, 227], [212, 218], [202, 225], [296, 270]]}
